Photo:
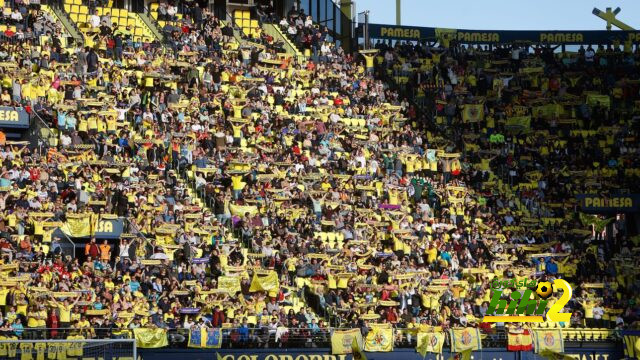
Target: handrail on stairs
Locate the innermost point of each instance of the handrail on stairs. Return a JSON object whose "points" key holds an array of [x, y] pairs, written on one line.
{"points": [[58, 10]]}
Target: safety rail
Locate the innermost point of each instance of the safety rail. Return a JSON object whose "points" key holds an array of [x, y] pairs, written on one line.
{"points": [[73, 245], [261, 336], [154, 22], [45, 134], [131, 226]]}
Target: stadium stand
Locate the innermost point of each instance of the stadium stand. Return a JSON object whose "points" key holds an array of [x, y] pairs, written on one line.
{"points": [[280, 196]]}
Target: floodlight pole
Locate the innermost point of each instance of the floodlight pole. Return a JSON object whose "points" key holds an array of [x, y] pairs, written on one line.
{"points": [[398, 12]]}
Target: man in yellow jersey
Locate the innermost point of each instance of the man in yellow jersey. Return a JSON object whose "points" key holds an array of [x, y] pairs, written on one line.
{"points": [[64, 313]]}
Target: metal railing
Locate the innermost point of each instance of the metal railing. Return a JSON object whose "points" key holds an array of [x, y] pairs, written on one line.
{"points": [[110, 346], [40, 129], [71, 26], [72, 244], [132, 228], [264, 336]]}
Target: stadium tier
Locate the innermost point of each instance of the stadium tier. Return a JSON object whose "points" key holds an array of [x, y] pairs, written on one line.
{"points": [[271, 187]]}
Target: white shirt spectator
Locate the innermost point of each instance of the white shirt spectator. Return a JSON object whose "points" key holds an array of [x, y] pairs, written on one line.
{"points": [[589, 55], [94, 21], [16, 15], [515, 54]]}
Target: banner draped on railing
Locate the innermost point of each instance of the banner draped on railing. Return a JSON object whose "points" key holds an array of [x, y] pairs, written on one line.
{"points": [[205, 338], [150, 338]]}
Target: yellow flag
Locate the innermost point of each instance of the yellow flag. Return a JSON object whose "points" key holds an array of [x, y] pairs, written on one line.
{"points": [[342, 340], [430, 342], [241, 210], [463, 355], [77, 226], [268, 283], [380, 338], [548, 339], [472, 112], [632, 346], [357, 352], [600, 100], [230, 284], [464, 339], [150, 338], [519, 122]]}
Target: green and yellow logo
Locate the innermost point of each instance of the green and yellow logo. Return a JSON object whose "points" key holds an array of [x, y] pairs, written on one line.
{"points": [[523, 306]]}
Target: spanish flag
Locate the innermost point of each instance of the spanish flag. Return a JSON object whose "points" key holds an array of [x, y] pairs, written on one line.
{"points": [[519, 340]]}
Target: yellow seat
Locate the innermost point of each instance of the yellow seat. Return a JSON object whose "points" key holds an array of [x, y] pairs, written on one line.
{"points": [[154, 7], [75, 8], [588, 335], [74, 17], [84, 9]]}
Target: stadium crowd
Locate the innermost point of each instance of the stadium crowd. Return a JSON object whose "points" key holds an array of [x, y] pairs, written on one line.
{"points": [[265, 192]]}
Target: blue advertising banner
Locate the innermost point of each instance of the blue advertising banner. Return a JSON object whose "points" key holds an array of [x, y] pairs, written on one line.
{"points": [[466, 36], [606, 353], [109, 229], [595, 203], [13, 118]]}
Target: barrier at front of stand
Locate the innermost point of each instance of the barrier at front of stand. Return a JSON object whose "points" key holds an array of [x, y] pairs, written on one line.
{"points": [[608, 353]]}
